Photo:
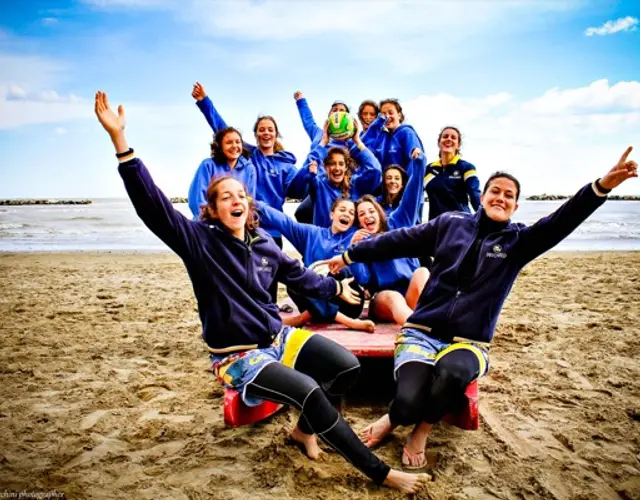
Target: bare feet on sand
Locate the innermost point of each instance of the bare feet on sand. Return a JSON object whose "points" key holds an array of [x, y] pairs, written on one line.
{"points": [[373, 433], [406, 482], [413, 453], [308, 441]]}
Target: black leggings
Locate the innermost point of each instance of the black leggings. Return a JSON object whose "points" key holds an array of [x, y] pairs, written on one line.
{"points": [[426, 393], [322, 368], [273, 289]]}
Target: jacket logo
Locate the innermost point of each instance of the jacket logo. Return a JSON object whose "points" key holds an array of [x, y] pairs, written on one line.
{"points": [[496, 252], [264, 266], [455, 174]]}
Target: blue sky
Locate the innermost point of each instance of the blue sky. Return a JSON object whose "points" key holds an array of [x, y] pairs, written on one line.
{"points": [[548, 90]]}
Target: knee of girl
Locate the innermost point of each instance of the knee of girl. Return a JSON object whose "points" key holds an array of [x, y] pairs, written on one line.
{"points": [[454, 377], [346, 378], [319, 412], [404, 411]]}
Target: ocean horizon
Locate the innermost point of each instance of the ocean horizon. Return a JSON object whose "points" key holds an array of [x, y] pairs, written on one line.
{"points": [[111, 224]]}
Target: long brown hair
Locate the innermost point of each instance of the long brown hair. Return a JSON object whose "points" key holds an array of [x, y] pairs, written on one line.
{"points": [[367, 198], [345, 185], [216, 146], [277, 146], [209, 209]]}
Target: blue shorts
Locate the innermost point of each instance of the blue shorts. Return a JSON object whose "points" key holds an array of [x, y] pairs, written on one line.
{"points": [[237, 370], [415, 345]]}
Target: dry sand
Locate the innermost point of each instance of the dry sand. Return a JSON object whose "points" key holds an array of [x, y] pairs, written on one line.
{"points": [[105, 392]]}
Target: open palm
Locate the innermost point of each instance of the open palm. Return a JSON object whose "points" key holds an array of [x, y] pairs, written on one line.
{"points": [[111, 122]]}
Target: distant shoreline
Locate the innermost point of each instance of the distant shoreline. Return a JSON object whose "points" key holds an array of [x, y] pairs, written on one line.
{"points": [[181, 199]]}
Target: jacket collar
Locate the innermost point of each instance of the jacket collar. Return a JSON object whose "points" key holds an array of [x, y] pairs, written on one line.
{"points": [[454, 161]]}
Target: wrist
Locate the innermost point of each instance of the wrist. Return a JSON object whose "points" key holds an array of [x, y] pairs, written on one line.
{"points": [[126, 156], [601, 188], [119, 141]]}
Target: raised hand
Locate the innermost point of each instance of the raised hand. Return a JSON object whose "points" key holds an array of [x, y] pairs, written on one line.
{"points": [[112, 123], [199, 92], [297, 95], [349, 294], [313, 167], [325, 134], [356, 134], [621, 171], [359, 235]]}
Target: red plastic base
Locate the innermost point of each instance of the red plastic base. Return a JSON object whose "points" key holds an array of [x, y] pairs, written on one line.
{"points": [[468, 418], [236, 413]]}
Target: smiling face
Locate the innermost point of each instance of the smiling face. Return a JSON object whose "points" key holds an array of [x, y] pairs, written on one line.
{"points": [[368, 217], [231, 206], [266, 134], [342, 216], [336, 168], [393, 181], [449, 141], [367, 115], [390, 111], [231, 146], [499, 200]]}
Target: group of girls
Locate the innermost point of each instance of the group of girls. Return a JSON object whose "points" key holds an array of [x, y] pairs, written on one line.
{"points": [[351, 190], [448, 320]]}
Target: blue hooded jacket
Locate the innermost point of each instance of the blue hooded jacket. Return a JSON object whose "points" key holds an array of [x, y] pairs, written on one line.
{"points": [[364, 180], [230, 277], [275, 174], [450, 306], [395, 274], [244, 171], [314, 243], [313, 130]]}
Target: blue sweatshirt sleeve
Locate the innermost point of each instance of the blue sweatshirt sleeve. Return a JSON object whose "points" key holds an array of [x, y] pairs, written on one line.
{"points": [[409, 141], [211, 114], [304, 281], [406, 212], [552, 229], [304, 179], [252, 179], [371, 136], [309, 124], [368, 177], [298, 234], [198, 190], [414, 241], [157, 212], [472, 183]]}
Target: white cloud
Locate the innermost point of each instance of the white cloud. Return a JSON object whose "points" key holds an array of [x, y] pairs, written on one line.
{"points": [[60, 131], [136, 4], [16, 93], [549, 152], [610, 27], [598, 96], [49, 21]]}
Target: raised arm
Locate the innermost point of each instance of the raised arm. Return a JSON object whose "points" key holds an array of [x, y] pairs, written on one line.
{"points": [[206, 107], [371, 136], [304, 180], [368, 177], [197, 195], [551, 230], [407, 210], [151, 205], [309, 124]]}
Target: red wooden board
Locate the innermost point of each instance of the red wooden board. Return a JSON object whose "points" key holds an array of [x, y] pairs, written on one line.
{"points": [[379, 344]]}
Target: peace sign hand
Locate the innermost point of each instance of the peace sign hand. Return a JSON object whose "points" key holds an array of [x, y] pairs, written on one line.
{"points": [[623, 170]]}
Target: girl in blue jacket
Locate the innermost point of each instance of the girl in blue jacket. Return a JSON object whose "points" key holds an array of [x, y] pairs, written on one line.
{"points": [[396, 284], [308, 122], [316, 244], [228, 157], [394, 180], [275, 168], [444, 344], [231, 263], [340, 174], [451, 183]]}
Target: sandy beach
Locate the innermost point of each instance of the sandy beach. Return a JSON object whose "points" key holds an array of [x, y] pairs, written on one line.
{"points": [[105, 392]]}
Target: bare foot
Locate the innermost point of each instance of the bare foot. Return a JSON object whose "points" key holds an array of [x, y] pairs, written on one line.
{"points": [[308, 441], [406, 482], [298, 320], [413, 456], [373, 433]]}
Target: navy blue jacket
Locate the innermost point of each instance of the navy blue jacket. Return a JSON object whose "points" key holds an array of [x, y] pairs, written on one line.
{"points": [[470, 309], [230, 277], [452, 187]]}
